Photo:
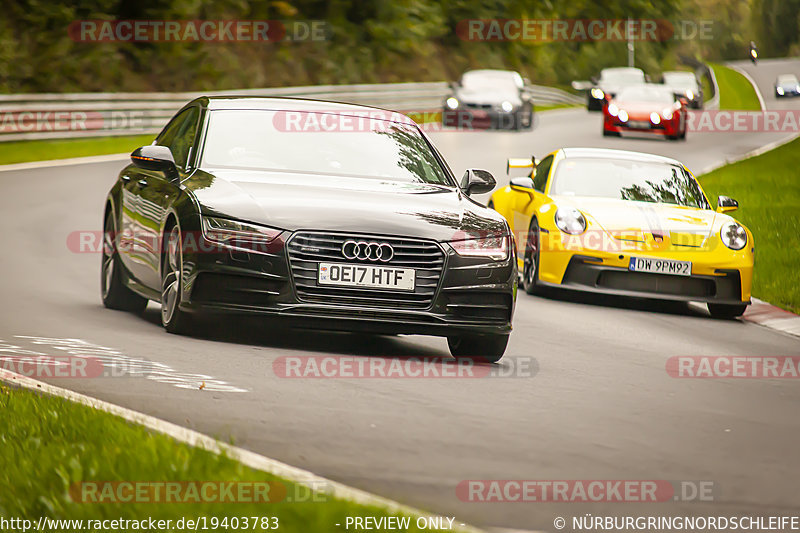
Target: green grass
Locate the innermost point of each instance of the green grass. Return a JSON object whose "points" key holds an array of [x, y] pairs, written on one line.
{"points": [[24, 151], [49, 444], [735, 92], [768, 192]]}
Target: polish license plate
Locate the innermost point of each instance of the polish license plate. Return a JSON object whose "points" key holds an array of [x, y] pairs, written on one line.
{"points": [[660, 266], [377, 277]]}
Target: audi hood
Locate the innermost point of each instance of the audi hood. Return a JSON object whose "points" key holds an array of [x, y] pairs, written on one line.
{"points": [[295, 201]]}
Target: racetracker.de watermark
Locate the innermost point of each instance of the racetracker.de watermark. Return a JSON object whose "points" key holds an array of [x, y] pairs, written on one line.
{"points": [[733, 367], [581, 30], [206, 31], [714, 121], [351, 366], [197, 492], [583, 491]]}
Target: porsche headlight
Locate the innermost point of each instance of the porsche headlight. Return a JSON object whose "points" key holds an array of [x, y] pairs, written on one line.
{"points": [[495, 247], [733, 236], [655, 118], [666, 113], [570, 220], [598, 94], [235, 233], [613, 110], [452, 103], [623, 115]]}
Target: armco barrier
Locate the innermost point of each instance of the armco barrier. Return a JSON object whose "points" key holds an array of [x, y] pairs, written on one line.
{"points": [[52, 115]]}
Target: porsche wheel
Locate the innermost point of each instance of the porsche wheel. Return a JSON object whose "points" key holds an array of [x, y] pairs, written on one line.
{"points": [[116, 295], [172, 318], [530, 269], [480, 348], [726, 311]]}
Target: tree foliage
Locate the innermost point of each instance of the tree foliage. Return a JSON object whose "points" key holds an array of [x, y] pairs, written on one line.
{"points": [[369, 41]]}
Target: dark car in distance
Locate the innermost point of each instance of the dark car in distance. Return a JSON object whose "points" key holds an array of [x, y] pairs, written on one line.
{"points": [[489, 99], [334, 216]]}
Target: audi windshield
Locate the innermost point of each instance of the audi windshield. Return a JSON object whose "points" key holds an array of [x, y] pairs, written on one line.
{"points": [[321, 143]]}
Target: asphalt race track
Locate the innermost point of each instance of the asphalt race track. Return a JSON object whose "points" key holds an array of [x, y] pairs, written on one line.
{"points": [[588, 396]]}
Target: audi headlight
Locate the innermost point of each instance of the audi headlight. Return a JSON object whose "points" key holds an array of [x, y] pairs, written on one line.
{"points": [[452, 103], [733, 235], [495, 247], [235, 233], [507, 106], [598, 94], [570, 220], [655, 118], [623, 115], [613, 110], [780, 90]]}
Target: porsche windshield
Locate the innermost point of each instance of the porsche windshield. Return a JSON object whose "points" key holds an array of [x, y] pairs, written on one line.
{"points": [[322, 143], [621, 179]]}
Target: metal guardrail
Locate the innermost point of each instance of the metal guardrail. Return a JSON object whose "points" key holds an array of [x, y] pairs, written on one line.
{"points": [[75, 115]]}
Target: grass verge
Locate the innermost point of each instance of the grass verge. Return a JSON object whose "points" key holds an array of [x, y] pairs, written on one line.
{"points": [[49, 445], [768, 192], [735, 92], [25, 151]]}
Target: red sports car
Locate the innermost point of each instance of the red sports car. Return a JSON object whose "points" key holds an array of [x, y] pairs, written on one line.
{"points": [[645, 109]]}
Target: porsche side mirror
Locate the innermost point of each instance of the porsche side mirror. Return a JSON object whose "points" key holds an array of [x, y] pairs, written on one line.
{"points": [[154, 157], [525, 162], [726, 204], [521, 184], [476, 181]]}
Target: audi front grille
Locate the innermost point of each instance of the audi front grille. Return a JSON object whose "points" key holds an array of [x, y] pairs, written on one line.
{"points": [[307, 249]]}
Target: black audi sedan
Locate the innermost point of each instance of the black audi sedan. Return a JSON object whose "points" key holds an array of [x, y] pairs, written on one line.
{"points": [[334, 216]]}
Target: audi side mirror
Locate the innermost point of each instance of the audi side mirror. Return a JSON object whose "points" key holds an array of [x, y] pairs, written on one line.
{"points": [[476, 181], [726, 204], [154, 157]]}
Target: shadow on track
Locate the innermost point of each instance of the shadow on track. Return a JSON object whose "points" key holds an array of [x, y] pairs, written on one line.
{"points": [[255, 331], [621, 302]]}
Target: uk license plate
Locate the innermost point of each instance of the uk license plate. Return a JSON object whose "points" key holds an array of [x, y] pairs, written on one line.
{"points": [[368, 276], [660, 266]]}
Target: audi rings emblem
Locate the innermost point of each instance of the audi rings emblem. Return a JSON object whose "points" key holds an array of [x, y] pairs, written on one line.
{"points": [[368, 251]]}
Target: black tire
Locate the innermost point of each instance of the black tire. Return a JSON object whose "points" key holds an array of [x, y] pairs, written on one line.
{"points": [[479, 348], [530, 260], [173, 318], [726, 311], [115, 294]]}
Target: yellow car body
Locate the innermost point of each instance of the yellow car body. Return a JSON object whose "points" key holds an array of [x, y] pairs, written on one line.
{"points": [[619, 231]]}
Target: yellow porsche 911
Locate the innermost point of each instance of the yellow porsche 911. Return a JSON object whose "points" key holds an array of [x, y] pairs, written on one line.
{"points": [[626, 223]]}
